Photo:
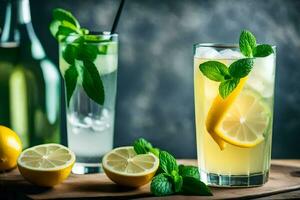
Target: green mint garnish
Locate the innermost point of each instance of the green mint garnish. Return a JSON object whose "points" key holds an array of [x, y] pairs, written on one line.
{"points": [[71, 76], [229, 77], [226, 87], [63, 15], [240, 68], [262, 50], [215, 71], [79, 55], [170, 177], [91, 81], [247, 43]]}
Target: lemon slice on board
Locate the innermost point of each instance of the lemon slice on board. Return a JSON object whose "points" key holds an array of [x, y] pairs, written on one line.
{"points": [[246, 122], [46, 165], [123, 166]]}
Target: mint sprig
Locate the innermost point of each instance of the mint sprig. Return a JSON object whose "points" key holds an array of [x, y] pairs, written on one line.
{"points": [[79, 54], [247, 43], [229, 76], [172, 178]]}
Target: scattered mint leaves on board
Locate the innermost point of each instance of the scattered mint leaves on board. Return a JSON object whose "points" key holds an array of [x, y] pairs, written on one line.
{"points": [[229, 77], [193, 186], [142, 146], [171, 178], [191, 171], [79, 55], [177, 181], [167, 162], [161, 185]]}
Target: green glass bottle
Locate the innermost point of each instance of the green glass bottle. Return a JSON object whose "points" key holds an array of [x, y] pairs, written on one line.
{"points": [[30, 83]]}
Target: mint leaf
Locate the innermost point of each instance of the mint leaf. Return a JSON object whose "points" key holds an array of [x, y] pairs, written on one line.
{"points": [[84, 31], [102, 49], [142, 146], [63, 15], [214, 70], [54, 25], [193, 186], [191, 171], [91, 81], [167, 162], [155, 151], [241, 68], [63, 32], [226, 87], [94, 38], [177, 180], [87, 52], [263, 50], [70, 53], [161, 185], [247, 43], [70, 76]]}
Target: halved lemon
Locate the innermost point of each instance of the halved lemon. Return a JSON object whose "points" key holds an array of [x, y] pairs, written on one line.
{"points": [[123, 166], [46, 165], [10, 148], [246, 122]]}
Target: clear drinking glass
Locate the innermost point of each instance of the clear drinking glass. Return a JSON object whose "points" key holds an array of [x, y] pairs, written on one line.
{"points": [[246, 118], [90, 127]]}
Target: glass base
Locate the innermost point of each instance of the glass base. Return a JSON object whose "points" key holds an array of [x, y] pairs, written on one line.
{"points": [[87, 168], [218, 180]]}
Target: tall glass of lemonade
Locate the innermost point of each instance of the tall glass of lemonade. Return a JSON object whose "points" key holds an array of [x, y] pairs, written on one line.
{"points": [[234, 133]]}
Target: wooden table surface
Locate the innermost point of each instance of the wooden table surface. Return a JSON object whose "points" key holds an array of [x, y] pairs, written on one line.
{"points": [[284, 183]]}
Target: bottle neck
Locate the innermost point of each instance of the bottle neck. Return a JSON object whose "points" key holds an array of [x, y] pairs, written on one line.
{"points": [[17, 13], [18, 27]]}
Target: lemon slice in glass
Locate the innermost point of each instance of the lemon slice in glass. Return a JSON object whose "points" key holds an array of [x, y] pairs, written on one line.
{"points": [[46, 165], [218, 111], [123, 166], [246, 122]]}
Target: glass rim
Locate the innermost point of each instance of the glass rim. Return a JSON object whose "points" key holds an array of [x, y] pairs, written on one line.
{"points": [[105, 36], [103, 33], [221, 45]]}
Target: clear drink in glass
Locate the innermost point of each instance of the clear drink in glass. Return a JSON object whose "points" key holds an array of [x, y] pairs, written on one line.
{"points": [[90, 126]]}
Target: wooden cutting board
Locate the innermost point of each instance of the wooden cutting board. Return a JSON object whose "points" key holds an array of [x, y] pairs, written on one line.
{"points": [[284, 176]]}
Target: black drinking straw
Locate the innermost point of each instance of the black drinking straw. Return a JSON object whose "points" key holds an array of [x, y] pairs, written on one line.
{"points": [[116, 20]]}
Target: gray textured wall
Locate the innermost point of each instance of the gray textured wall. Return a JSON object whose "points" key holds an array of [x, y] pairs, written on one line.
{"points": [[155, 88]]}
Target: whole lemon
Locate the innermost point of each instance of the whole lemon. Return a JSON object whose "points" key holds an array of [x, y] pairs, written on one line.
{"points": [[10, 148]]}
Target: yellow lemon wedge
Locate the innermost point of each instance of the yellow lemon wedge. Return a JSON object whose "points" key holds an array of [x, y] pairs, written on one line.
{"points": [[46, 165], [10, 148], [218, 111], [241, 119], [246, 122], [123, 166]]}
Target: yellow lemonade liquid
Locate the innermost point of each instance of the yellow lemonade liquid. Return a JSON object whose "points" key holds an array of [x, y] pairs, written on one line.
{"points": [[234, 165]]}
